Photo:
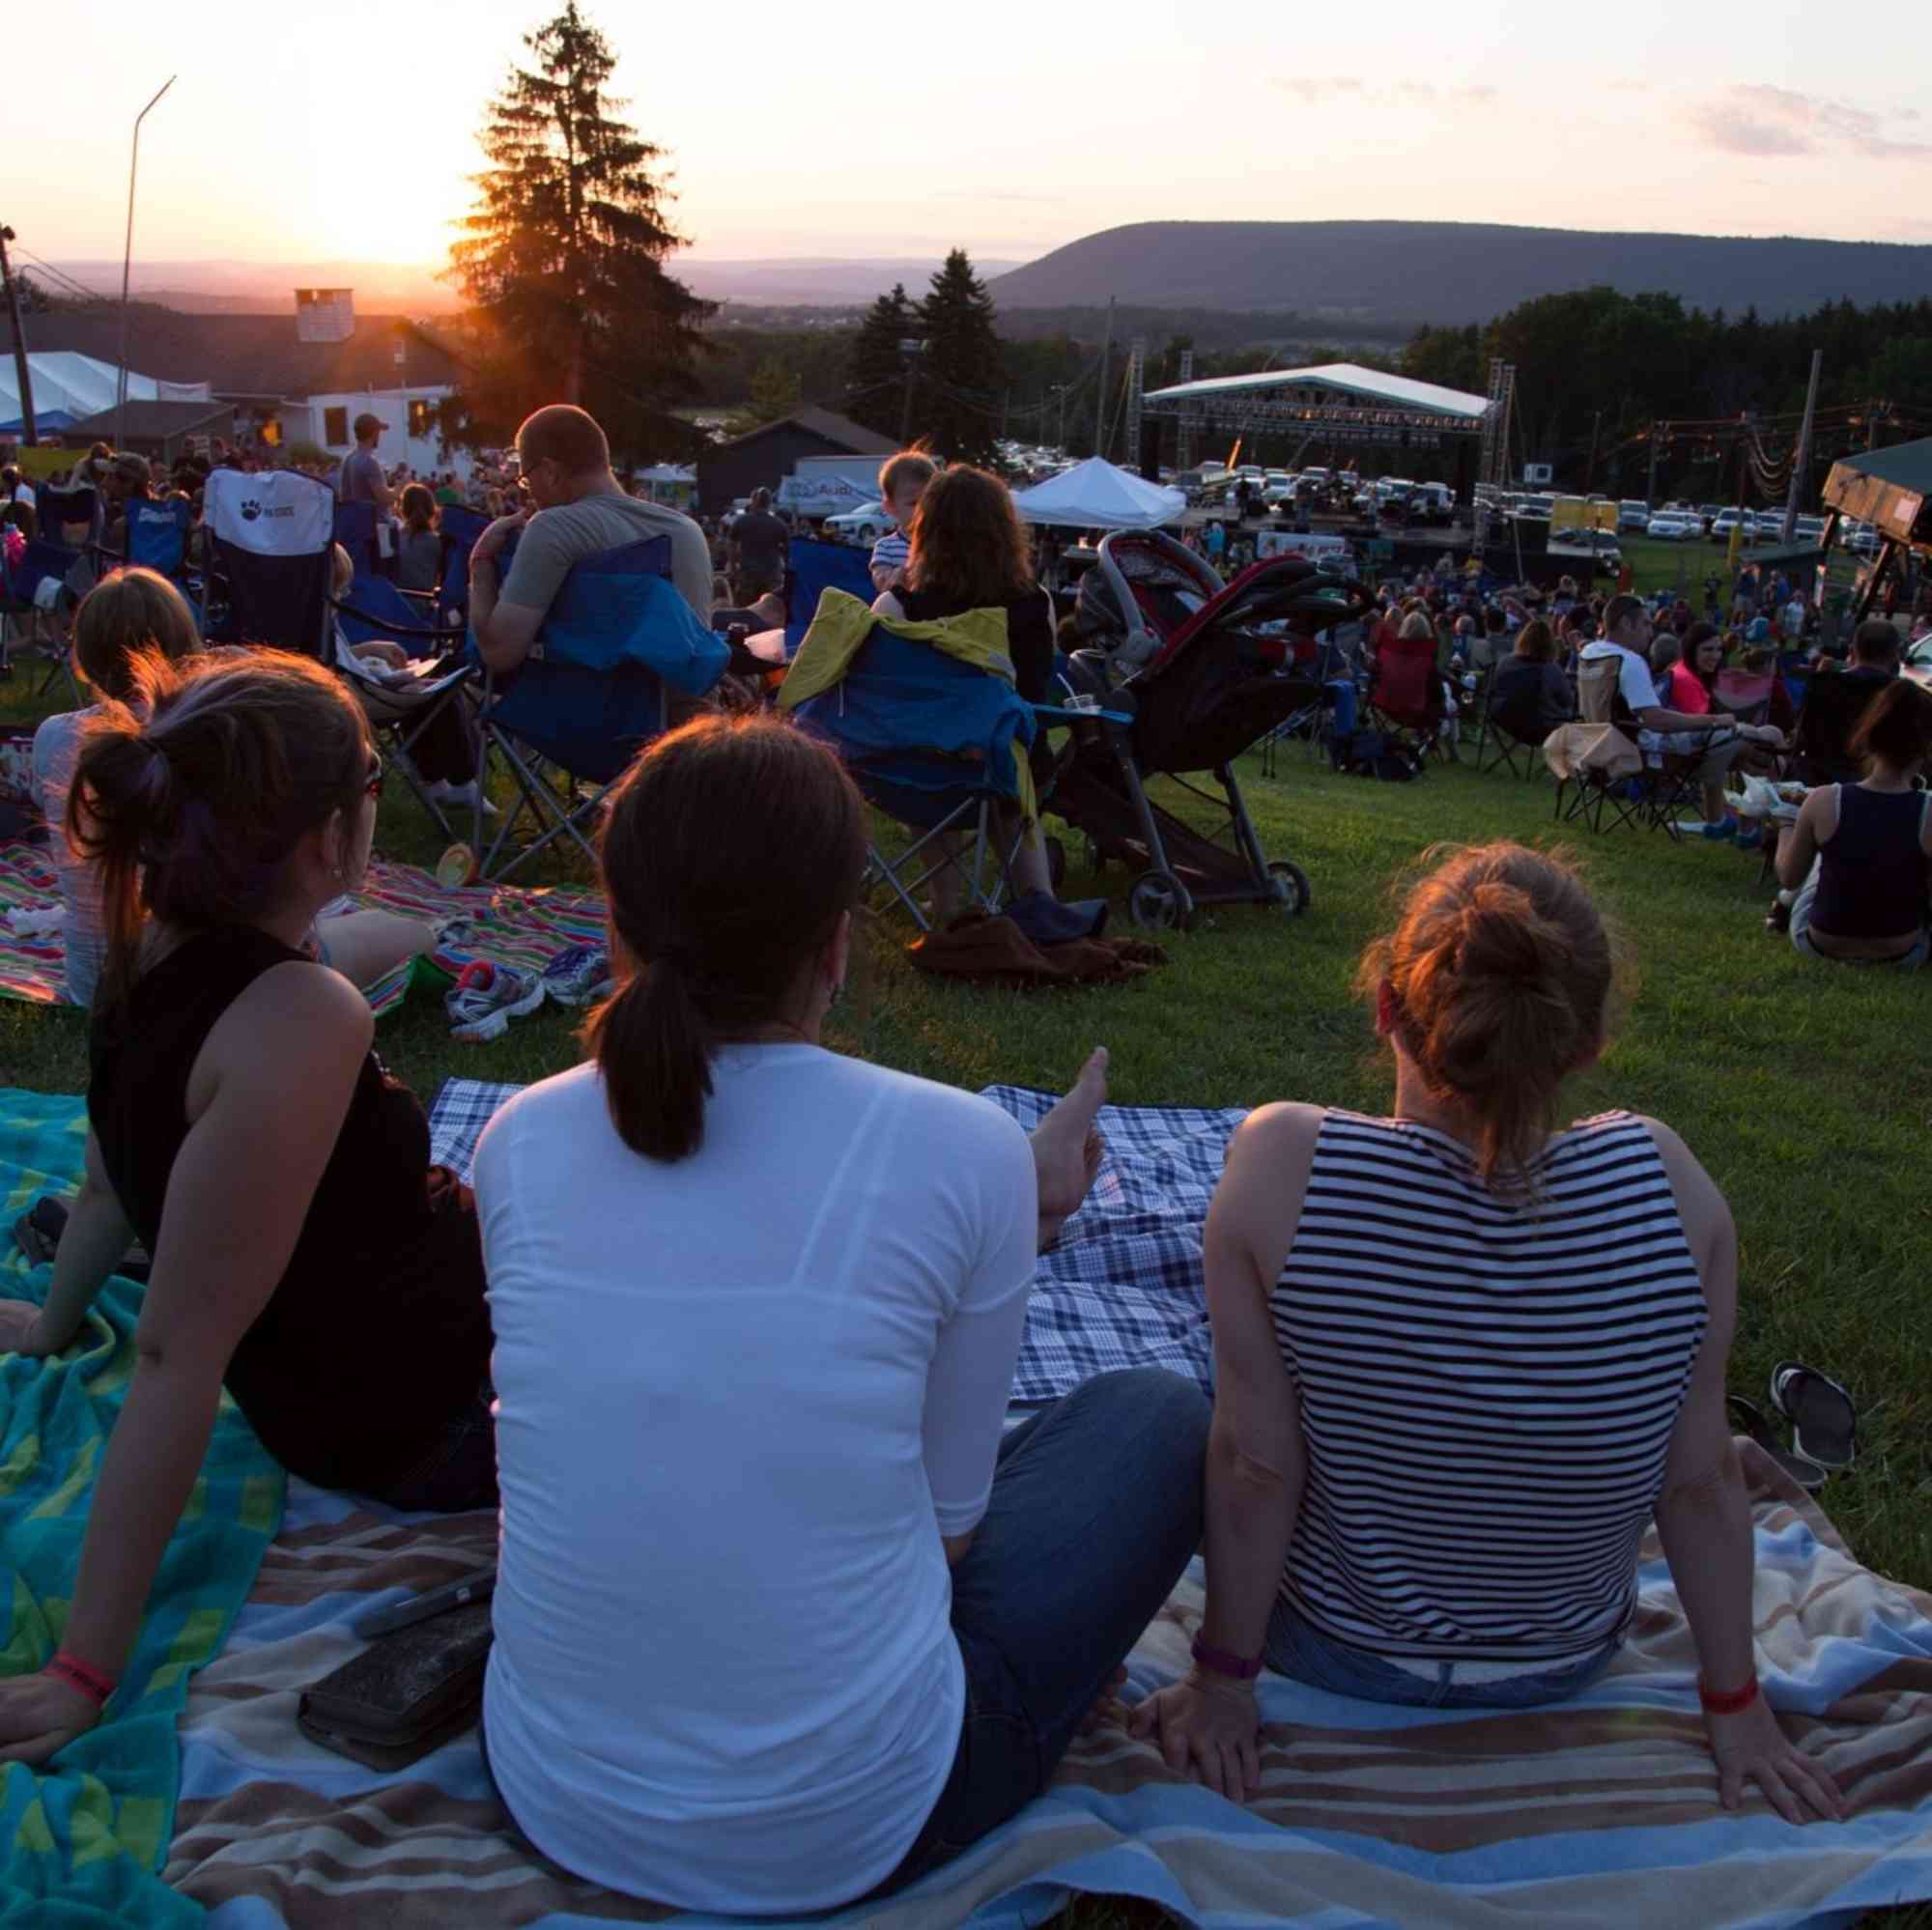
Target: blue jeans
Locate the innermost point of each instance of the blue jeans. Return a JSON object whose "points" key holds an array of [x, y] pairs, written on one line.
{"points": [[1096, 1511], [1297, 1648], [1341, 695]]}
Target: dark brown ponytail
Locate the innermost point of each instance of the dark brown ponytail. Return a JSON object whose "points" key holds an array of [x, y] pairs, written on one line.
{"points": [[1502, 970], [730, 851]]}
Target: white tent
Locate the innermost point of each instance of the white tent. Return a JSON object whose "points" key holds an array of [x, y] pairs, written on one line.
{"points": [[69, 386], [1096, 494]]}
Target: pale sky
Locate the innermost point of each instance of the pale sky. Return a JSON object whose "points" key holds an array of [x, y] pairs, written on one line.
{"points": [[345, 128]]}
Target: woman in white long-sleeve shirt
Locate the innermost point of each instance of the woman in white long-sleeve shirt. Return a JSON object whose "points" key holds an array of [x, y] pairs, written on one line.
{"points": [[782, 1617]]}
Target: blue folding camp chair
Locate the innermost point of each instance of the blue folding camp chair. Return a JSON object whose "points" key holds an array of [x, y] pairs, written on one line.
{"points": [[460, 528], [268, 560], [58, 510], [811, 568], [376, 608], [937, 745], [616, 642], [354, 528], [34, 591], [157, 535]]}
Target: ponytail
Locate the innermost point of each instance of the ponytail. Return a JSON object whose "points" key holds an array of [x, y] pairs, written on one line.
{"points": [[653, 1048], [730, 852]]}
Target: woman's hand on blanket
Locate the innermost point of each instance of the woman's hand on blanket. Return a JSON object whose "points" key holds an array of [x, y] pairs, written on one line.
{"points": [[1208, 1727], [1068, 1148], [21, 1331], [41, 1714], [1107, 1704], [1750, 1747]]}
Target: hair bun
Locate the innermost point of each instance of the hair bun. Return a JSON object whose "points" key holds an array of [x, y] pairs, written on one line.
{"points": [[1502, 936]]}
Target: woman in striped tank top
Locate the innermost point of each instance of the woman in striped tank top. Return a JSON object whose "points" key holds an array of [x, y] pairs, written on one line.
{"points": [[1463, 1358]]}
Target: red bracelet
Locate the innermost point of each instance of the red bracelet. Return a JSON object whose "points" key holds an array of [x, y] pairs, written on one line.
{"points": [[83, 1676], [1732, 1701], [1218, 1661]]}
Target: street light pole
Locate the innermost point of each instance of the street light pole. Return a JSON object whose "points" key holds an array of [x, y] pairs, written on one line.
{"points": [[22, 370], [126, 262]]}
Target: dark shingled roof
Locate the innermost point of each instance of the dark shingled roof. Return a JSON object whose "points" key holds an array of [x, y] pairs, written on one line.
{"points": [[250, 354], [853, 437], [152, 421]]}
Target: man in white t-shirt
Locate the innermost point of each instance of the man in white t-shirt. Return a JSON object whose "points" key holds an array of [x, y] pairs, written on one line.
{"points": [[1626, 631]]}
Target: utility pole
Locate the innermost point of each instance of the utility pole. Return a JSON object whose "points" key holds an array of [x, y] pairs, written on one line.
{"points": [[1101, 403], [21, 368], [1801, 467], [1005, 409], [1650, 488], [910, 350], [1596, 425]]}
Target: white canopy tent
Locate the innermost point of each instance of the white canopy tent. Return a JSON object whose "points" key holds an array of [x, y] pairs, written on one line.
{"points": [[68, 387], [1097, 494]]}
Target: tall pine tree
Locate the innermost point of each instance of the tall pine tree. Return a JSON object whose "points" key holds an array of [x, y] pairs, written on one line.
{"points": [[564, 255], [875, 374], [962, 370]]}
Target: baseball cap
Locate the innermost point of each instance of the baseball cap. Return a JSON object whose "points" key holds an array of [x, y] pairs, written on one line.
{"points": [[366, 422]]}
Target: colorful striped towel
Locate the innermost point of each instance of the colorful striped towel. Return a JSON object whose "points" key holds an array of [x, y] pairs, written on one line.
{"points": [[516, 924], [82, 1840], [1601, 1811]]}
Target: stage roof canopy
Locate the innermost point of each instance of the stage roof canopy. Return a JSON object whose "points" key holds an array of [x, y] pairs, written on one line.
{"points": [[1344, 383]]}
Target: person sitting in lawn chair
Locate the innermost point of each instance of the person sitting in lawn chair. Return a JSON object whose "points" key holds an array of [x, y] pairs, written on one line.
{"points": [[757, 1309], [1464, 1355]]}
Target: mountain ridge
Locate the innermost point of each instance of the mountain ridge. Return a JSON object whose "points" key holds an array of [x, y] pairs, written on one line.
{"points": [[1450, 272]]}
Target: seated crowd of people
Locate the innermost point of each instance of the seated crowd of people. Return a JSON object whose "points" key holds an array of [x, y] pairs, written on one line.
{"points": [[873, 1616]]}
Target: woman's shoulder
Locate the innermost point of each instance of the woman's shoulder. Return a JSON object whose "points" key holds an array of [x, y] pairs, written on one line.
{"points": [[57, 739]]}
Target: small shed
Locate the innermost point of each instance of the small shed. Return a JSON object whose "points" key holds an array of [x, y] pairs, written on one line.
{"points": [[157, 430], [763, 456]]}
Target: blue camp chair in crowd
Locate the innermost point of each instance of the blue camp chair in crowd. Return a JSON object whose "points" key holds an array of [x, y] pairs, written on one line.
{"points": [[268, 560], [375, 608], [61, 512], [353, 527], [615, 642], [812, 568], [458, 528], [157, 534], [34, 602], [939, 745]]}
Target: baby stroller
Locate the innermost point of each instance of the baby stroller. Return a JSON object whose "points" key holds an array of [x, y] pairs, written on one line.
{"points": [[1204, 671]]}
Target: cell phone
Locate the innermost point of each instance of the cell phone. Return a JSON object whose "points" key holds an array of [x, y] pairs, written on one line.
{"points": [[478, 1586]]}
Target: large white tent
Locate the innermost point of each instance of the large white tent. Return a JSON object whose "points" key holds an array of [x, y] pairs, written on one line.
{"points": [[1097, 494], [68, 387]]}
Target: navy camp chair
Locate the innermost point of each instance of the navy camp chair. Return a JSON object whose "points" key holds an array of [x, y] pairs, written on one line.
{"points": [[375, 608], [354, 528], [615, 642], [811, 570], [269, 561], [460, 528], [157, 535]]}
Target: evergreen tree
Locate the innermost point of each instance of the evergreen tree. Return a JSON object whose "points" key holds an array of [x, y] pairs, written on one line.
{"points": [[775, 392], [875, 374], [962, 369], [564, 255]]}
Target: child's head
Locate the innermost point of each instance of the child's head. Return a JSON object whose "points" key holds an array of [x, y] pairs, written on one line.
{"points": [[902, 481], [123, 615], [419, 510], [342, 571]]}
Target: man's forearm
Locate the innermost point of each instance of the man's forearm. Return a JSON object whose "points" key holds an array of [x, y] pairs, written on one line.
{"points": [[1705, 1528], [483, 587], [1251, 1511]]}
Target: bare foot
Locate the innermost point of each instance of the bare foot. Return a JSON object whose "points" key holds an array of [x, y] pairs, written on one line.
{"points": [[1067, 1147]]}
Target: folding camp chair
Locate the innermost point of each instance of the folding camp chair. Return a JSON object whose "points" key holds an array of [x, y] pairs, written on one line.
{"points": [[352, 524], [1836, 703], [401, 714], [1744, 695], [69, 518], [811, 568], [1405, 694], [1514, 724], [269, 561], [616, 641], [1600, 789], [157, 534], [938, 745], [458, 528], [34, 596]]}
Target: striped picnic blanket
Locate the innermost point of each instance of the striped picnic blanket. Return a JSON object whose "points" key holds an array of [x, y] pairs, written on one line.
{"points": [[82, 1840], [517, 924], [1601, 1811]]}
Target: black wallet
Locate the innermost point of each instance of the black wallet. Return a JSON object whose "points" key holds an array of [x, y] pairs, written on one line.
{"points": [[406, 1694]]}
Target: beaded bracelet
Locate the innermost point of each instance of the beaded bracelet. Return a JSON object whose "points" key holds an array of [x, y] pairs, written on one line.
{"points": [[1728, 1702], [83, 1676]]}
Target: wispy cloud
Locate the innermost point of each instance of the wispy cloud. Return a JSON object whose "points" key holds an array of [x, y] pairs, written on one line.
{"points": [[1774, 122], [1317, 87]]}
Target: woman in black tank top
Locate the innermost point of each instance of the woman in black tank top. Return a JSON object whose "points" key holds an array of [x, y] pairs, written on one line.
{"points": [[306, 1254]]}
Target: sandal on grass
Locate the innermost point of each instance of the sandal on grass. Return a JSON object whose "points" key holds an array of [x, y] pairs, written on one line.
{"points": [[1824, 1423], [1748, 1418]]}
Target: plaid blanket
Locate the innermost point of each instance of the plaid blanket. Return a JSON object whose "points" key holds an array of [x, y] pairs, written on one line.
{"points": [[1123, 1286], [82, 1840], [522, 926], [1602, 1811]]}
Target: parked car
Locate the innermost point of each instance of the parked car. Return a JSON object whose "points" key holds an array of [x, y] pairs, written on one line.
{"points": [[861, 525], [1671, 527], [1278, 489], [1633, 517], [1724, 522]]}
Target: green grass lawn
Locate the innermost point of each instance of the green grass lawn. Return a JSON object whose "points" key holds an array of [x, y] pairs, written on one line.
{"points": [[1806, 1089]]}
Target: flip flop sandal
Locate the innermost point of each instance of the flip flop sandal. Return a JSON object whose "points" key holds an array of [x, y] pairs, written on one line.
{"points": [[1748, 1418], [1823, 1422]]}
